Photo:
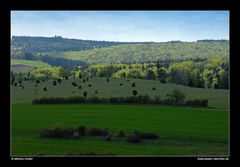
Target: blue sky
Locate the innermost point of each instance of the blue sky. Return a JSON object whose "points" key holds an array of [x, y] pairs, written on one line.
{"points": [[157, 26]]}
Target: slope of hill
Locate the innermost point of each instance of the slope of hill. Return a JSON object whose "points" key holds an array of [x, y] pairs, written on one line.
{"points": [[149, 52], [29, 63], [26, 44], [18, 65], [87, 51]]}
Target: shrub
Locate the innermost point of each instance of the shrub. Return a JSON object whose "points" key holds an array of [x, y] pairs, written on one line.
{"points": [[85, 94], [114, 100], [15, 84], [22, 87], [121, 84], [54, 83], [157, 100], [128, 80], [89, 85], [144, 135], [93, 100], [84, 80], [108, 137], [197, 102], [176, 97], [133, 138], [142, 99], [168, 102], [79, 87], [87, 78], [96, 92], [133, 84], [45, 133], [66, 78], [20, 82], [153, 88], [36, 85], [134, 92], [37, 81], [107, 79], [45, 89], [98, 132], [81, 130], [105, 132], [73, 91], [121, 133], [57, 132]]}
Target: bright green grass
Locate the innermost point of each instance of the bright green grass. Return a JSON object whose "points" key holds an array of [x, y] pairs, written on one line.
{"points": [[217, 98], [208, 127], [29, 63]]}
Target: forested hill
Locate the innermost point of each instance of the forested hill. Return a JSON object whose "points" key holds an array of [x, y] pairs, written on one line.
{"points": [[163, 51], [87, 51], [49, 44]]}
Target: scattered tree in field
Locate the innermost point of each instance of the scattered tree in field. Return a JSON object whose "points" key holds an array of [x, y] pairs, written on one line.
{"points": [[59, 80], [124, 75], [154, 88], [85, 94], [22, 87], [54, 83], [80, 76], [121, 84], [37, 81], [133, 84], [84, 80], [45, 89], [134, 92], [74, 84], [96, 92], [107, 79], [87, 79], [89, 85], [66, 77], [79, 87], [162, 74]]}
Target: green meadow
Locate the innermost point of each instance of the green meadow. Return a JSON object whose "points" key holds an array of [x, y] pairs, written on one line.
{"points": [[183, 131]]}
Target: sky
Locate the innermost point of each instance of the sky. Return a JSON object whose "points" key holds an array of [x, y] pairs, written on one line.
{"points": [[127, 26]]}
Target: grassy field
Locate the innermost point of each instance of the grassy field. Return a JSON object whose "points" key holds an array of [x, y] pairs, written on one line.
{"points": [[29, 63], [218, 98], [208, 127]]}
